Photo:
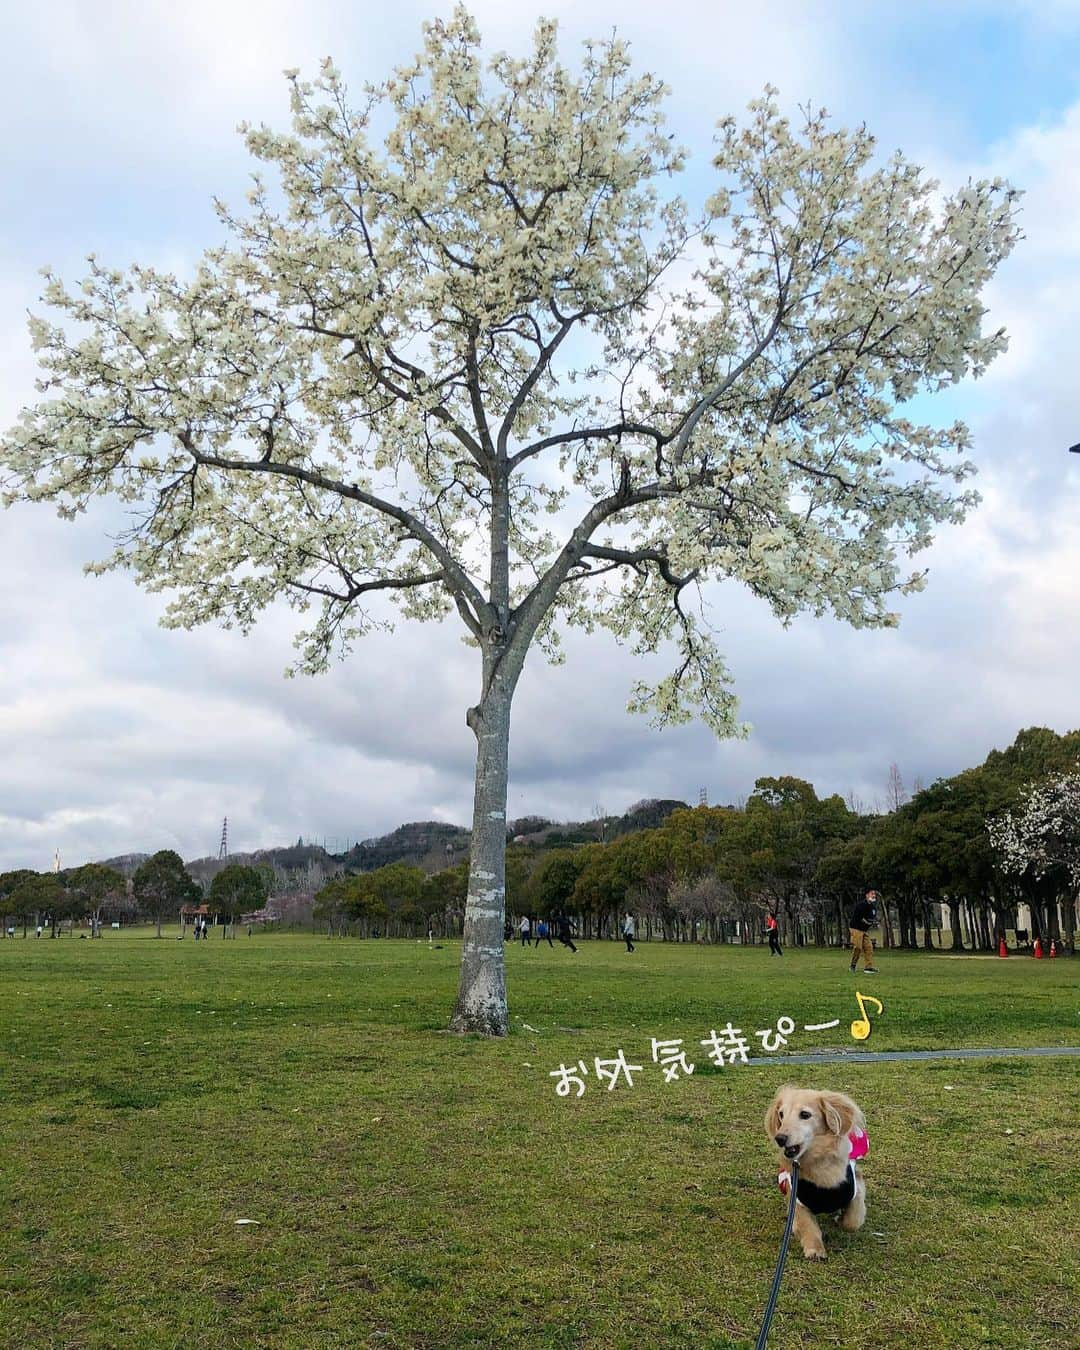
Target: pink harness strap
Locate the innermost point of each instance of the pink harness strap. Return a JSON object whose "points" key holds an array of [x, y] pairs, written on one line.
{"points": [[858, 1145]]}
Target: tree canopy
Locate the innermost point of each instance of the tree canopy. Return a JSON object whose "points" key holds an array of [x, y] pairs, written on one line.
{"points": [[40, 894], [163, 883], [237, 890], [91, 887]]}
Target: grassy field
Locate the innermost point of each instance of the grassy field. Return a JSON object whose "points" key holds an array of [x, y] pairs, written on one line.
{"points": [[415, 1189]]}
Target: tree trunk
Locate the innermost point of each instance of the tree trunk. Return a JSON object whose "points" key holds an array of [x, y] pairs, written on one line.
{"points": [[957, 936], [928, 931], [1069, 935], [886, 927], [481, 1002], [1055, 926], [988, 926], [983, 918]]}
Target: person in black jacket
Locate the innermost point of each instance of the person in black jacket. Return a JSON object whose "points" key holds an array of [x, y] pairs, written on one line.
{"points": [[562, 928], [863, 917]]}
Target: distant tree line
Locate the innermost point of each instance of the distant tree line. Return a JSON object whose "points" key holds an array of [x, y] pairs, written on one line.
{"points": [[954, 863], [94, 894]]}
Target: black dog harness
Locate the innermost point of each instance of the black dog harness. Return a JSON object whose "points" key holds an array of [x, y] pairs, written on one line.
{"points": [[828, 1199]]}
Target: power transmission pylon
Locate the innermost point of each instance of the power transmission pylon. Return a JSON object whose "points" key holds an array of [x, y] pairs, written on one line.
{"points": [[703, 797], [223, 849]]}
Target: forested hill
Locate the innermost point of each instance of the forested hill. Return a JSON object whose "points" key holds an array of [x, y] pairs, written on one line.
{"points": [[430, 844], [433, 844]]}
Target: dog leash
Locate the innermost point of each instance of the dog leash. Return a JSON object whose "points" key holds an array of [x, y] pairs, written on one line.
{"points": [[774, 1292]]}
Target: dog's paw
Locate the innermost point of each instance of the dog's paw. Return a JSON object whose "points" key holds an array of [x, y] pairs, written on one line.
{"points": [[814, 1253]]}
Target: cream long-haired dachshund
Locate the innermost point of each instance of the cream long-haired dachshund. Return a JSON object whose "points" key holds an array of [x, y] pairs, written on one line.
{"points": [[824, 1132]]}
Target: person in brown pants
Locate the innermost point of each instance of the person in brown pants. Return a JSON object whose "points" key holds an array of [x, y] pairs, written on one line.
{"points": [[863, 917]]}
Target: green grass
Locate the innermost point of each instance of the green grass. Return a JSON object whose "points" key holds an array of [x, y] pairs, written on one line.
{"points": [[417, 1189]]}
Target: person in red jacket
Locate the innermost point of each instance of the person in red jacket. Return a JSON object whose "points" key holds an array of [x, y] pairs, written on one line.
{"points": [[773, 930]]}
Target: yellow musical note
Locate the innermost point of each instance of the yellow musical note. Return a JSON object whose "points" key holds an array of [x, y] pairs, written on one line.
{"points": [[861, 1029]]}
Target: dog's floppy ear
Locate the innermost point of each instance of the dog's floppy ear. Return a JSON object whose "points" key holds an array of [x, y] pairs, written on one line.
{"points": [[772, 1119], [840, 1112]]}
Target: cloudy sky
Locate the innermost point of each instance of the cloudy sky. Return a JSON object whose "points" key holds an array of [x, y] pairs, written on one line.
{"points": [[116, 735]]}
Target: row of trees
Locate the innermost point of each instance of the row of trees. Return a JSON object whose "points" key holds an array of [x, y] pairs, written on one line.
{"points": [[398, 900], [95, 893], [974, 847], [982, 843]]}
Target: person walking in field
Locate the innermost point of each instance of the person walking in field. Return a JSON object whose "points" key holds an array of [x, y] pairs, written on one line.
{"points": [[863, 917], [773, 930], [628, 930], [563, 930], [525, 928], [543, 931]]}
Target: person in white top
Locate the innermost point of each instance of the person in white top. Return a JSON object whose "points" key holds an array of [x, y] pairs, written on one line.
{"points": [[524, 928], [628, 931]]}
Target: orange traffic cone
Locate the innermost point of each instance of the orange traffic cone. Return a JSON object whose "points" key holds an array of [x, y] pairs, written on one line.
{"points": [[1037, 949], [1053, 947], [1002, 949]]}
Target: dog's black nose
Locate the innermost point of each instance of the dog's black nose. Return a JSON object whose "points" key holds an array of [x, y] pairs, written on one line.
{"points": [[781, 1139]]}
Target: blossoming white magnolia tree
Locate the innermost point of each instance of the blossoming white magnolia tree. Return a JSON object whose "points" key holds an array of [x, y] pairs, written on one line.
{"points": [[1042, 837], [436, 343]]}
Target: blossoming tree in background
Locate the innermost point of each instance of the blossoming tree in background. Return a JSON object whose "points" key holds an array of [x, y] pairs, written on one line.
{"points": [[460, 357], [1040, 841]]}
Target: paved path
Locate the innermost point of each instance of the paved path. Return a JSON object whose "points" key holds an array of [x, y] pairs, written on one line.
{"points": [[880, 1057]]}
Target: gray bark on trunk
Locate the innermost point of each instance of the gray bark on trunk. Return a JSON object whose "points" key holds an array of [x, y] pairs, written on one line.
{"points": [[504, 636], [481, 1002], [957, 937], [1070, 922]]}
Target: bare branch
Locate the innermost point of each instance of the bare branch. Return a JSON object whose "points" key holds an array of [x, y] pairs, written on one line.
{"points": [[543, 361], [614, 432], [636, 558], [690, 422], [361, 588], [455, 577]]}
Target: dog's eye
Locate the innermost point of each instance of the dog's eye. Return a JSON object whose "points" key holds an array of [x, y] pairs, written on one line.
{"points": [[779, 1115], [805, 1115]]}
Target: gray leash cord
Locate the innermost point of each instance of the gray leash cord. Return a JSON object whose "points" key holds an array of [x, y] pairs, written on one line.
{"points": [[774, 1292]]}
